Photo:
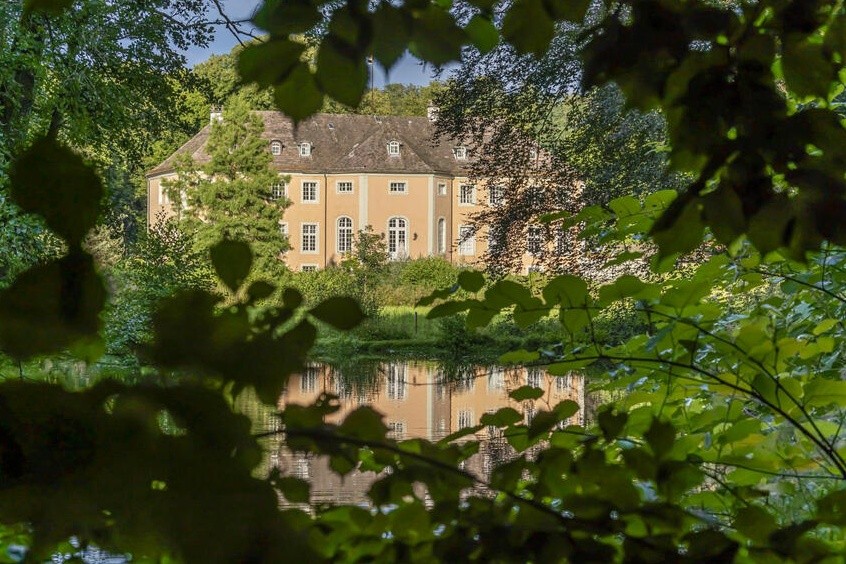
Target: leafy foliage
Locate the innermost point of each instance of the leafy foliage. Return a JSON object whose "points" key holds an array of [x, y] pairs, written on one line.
{"points": [[733, 401]]}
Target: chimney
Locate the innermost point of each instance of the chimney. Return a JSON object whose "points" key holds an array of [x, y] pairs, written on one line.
{"points": [[216, 115], [432, 112]]}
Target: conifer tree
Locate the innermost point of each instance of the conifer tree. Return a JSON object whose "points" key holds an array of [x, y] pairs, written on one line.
{"points": [[231, 195]]}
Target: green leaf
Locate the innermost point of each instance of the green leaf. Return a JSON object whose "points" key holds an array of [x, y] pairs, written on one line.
{"points": [[294, 489], [298, 96], [660, 436], [503, 417], [390, 34], [448, 308], [435, 36], [806, 69], [528, 27], [610, 423], [755, 522], [337, 59], [232, 261], [50, 307], [825, 326], [292, 298], [832, 508], [821, 392], [571, 10], [253, 61], [471, 280], [340, 312], [260, 290], [52, 7], [524, 393], [364, 423], [681, 230], [52, 181], [566, 409], [482, 33]]}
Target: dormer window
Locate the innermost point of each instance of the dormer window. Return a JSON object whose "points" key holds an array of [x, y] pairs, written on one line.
{"points": [[394, 148], [305, 149], [460, 153], [276, 148], [533, 154]]}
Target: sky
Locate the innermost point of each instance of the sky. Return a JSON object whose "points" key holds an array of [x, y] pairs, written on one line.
{"points": [[408, 70]]}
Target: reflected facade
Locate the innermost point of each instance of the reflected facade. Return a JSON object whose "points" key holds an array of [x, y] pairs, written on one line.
{"points": [[420, 400]]}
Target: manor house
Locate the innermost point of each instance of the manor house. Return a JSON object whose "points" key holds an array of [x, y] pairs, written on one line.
{"points": [[343, 173]]}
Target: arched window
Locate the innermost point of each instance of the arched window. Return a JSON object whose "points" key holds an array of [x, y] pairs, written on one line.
{"points": [[345, 235], [442, 235], [276, 148], [398, 237], [394, 148]]}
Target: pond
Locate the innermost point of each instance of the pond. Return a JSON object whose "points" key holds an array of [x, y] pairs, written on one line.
{"points": [[419, 399]]}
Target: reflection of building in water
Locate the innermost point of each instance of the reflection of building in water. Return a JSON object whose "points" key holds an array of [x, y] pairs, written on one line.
{"points": [[418, 400]]}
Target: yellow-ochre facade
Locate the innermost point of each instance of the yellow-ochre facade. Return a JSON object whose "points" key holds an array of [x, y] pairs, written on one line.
{"points": [[347, 172]]}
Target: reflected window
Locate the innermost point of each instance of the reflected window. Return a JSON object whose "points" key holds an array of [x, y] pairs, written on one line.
{"points": [[308, 380], [396, 384], [496, 379], [302, 468], [396, 430], [465, 418], [534, 240], [533, 378]]}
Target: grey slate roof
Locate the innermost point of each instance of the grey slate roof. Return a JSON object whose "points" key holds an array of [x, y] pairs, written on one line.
{"points": [[344, 143]]}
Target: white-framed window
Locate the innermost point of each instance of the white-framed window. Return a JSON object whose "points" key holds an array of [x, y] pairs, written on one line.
{"points": [[563, 384], [397, 386], [164, 199], [496, 194], [394, 148], [308, 380], [496, 379], [467, 194], [496, 237], [442, 236], [344, 186], [275, 148], [533, 154], [309, 238], [398, 237], [310, 192], [398, 187], [465, 418], [278, 190], [396, 430], [345, 235], [460, 152], [308, 268], [283, 228], [533, 377], [466, 241], [442, 191], [562, 241], [305, 149], [534, 239]]}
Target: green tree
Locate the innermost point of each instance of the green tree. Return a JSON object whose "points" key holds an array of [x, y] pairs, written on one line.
{"points": [[230, 195]]}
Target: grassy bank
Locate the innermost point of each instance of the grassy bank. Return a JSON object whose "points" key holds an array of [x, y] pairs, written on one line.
{"points": [[404, 331]]}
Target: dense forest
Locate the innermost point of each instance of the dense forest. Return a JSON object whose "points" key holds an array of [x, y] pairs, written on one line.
{"points": [[705, 308]]}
